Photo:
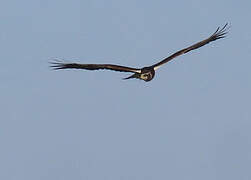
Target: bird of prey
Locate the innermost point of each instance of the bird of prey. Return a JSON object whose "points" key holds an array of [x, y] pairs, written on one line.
{"points": [[145, 73]]}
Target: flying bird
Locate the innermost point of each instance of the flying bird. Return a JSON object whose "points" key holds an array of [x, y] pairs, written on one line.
{"points": [[145, 73]]}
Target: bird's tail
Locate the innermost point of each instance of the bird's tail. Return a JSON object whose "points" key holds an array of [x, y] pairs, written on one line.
{"points": [[136, 75]]}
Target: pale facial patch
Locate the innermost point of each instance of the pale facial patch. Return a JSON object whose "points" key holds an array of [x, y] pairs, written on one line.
{"points": [[144, 76]]}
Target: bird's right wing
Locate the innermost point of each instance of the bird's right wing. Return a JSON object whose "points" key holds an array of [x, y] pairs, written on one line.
{"points": [[60, 65]]}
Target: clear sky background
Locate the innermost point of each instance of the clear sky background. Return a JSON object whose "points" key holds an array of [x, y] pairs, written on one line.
{"points": [[191, 122]]}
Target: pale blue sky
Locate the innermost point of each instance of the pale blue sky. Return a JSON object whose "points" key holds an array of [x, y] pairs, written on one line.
{"points": [[191, 122]]}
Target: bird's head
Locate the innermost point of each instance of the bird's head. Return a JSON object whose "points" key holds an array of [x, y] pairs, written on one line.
{"points": [[146, 74]]}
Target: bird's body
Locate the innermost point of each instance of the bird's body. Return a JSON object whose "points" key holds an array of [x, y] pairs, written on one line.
{"points": [[146, 73]]}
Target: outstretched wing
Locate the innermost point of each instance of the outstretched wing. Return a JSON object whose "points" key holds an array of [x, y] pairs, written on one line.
{"points": [[218, 34], [60, 65]]}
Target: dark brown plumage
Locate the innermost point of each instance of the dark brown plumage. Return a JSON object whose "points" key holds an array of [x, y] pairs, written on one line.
{"points": [[146, 73]]}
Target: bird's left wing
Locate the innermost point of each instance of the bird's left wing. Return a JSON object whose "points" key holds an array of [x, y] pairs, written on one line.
{"points": [[218, 34], [60, 65]]}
